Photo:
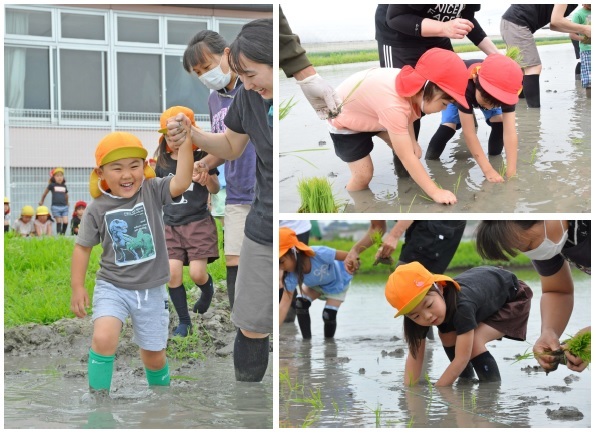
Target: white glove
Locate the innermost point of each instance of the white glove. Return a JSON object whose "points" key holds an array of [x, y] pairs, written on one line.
{"points": [[320, 95]]}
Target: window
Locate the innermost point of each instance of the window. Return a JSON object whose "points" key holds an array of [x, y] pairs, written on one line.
{"points": [[181, 32], [28, 22], [83, 80], [82, 26], [229, 31], [139, 82], [26, 77], [141, 30], [183, 88]]}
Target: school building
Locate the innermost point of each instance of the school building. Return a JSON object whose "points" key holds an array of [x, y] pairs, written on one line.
{"points": [[73, 73]]}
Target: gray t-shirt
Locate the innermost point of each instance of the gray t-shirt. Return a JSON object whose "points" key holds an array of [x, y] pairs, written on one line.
{"points": [[131, 233], [248, 115]]}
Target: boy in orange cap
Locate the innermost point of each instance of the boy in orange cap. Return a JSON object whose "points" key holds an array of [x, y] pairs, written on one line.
{"points": [[126, 218], [476, 307], [385, 102], [494, 86], [317, 272]]}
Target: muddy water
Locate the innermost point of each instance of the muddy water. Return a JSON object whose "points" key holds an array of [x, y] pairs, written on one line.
{"points": [[553, 162], [361, 370], [42, 393]]}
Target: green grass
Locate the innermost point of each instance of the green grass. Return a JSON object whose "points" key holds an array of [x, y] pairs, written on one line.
{"points": [[37, 278], [354, 56], [465, 256], [190, 347]]}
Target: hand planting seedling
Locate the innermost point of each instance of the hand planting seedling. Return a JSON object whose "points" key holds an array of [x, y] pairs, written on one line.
{"points": [[578, 345]]}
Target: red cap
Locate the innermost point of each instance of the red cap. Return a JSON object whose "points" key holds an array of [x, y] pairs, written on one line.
{"points": [[501, 77], [441, 67]]}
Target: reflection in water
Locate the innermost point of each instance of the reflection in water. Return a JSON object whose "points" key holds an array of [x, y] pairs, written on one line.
{"points": [[360, 372], [553, 161], [53, 394]]}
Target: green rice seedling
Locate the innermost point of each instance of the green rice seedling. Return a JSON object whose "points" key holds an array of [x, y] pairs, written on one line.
{"points": [[335, 407], [473, 400], [377, 411], [514, 53], [316, 196], [503, 169], [456, 185], [314, 399], [533, 154], [411, 422], [311, 417], [580, 346], [285, 107], [528, 354], [183, 378], [334, 114]]}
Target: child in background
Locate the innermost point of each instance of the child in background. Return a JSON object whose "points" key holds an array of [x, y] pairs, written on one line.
{"points": [[494, 86], [43, 221], [191, 234], [319, 272], [24, 227], [126, 218], [77, 215], [385, 102], [57, 186], [6, 213], [476, 307], [584, 16]]}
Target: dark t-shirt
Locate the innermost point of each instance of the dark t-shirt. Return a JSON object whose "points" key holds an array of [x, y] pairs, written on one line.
{"points": [[74, 224], [400, 25], [532, 16], [59, 192], [484, 290], [471, 94], [191, 205], [248, 115], [576, 250]]}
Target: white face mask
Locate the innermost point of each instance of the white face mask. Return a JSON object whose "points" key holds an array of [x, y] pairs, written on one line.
{"points": [[547, 249], [216, 79]]}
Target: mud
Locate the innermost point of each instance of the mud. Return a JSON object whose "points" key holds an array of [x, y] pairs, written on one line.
{"points": [[553, 161], [45, 381], [367, 391]]}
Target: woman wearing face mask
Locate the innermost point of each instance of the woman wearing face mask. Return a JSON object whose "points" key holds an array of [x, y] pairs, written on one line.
{"points": [[551, 245], [207, 57]]}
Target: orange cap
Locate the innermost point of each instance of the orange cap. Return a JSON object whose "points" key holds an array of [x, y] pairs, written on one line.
{"points": [[116, 146], [172, 112], [408, 285], [288, 239]]}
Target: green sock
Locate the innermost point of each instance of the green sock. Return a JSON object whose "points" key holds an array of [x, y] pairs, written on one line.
{"points": [[100, 370], [160, 377]]}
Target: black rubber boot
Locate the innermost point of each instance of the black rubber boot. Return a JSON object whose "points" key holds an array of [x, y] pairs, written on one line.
{"points": [[486, 367], [468, 372], [251, 357], [495, 140], [531, 87], [398, 168], [437, 143], [178, 296], [302, 305], [231, 273], [329, 318], [204, 301]]}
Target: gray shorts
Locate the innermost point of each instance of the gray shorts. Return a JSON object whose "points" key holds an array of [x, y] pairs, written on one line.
{"points": [[148, 309], [253, 304], [521, 37]]}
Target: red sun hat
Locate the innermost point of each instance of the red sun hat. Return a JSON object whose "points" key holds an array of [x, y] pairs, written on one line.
{"points": [[501, 77], [441, 67]]}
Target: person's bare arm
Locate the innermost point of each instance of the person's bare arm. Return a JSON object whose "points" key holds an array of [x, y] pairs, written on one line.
{"points": [[284, 305], [211, 161], [414, 365], [80, 298], [212, 184], [556, 305], [457, 28], [184, 166], [488, 47], [473, 144], [43, 196], [559, 23], [463, 351], [351, 262], [392, 238]]}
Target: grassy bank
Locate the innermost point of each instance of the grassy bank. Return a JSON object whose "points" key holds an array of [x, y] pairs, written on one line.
{"points": [[37, 278], [324, 58], [465, 257]]}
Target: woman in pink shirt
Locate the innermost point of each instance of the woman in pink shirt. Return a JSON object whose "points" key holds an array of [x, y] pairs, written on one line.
{"points": [[385, 104]]}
